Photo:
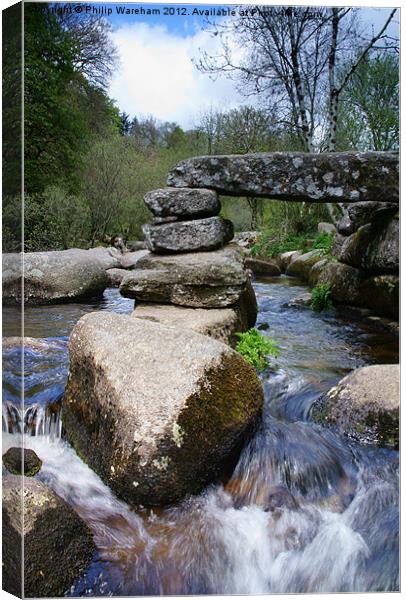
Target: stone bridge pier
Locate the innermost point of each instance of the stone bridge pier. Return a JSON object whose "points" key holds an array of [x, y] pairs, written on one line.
{"points": [[193, 277]]}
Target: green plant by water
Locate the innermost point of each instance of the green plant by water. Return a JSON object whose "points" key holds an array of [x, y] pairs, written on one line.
{"points": [[255, 348], [321, 297]]}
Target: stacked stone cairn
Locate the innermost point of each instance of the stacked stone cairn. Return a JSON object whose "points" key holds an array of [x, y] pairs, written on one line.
{"points": [[191, 278]]}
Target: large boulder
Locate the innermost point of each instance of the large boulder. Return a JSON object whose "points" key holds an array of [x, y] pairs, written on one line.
{"points": [[374, 247], [381, 294], [365, 405], [157, 412], [58, 546], [219, 323], [262, 267], [129, 260], [189, 236], [183, 203], [301, 265], [198, 280], [346, 283], [361, 213], [317, 269], [295, 176], [109, 257], [51, 277]]}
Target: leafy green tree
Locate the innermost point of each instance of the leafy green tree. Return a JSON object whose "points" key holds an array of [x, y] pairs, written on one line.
{"points": [[369, 112]]}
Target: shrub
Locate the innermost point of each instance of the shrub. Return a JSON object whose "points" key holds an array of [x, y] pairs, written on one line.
{"points": [[324, 242], [255, 347], [321, 297]]}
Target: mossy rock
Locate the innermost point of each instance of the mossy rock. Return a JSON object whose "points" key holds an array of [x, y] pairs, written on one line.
{"points": [[58, 545], [22, 461], [364, 405], [156, 411]]}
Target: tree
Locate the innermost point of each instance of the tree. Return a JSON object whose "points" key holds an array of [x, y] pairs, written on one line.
{"points": [[368, 123], [95, 55], [290, 59]]}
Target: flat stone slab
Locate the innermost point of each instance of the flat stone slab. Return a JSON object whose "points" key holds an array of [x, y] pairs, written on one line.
{"points": [[189, 236], [183, 203], [198, 280], [295, 176]]}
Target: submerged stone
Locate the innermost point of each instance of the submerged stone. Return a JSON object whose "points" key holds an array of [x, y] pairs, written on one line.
{"points": [[156, 411]]}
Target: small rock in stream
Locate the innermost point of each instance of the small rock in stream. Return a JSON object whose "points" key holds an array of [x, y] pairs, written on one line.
{"points": [[21, 461]]}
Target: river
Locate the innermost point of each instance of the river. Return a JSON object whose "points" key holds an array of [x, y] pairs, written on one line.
{"points": [[337, 532]]}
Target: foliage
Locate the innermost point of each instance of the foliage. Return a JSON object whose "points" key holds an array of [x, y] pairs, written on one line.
{"points": [[321, 297], [63, 108], [255, 347], [324, 242], [55, 220], [369, 111], [271, 248]]}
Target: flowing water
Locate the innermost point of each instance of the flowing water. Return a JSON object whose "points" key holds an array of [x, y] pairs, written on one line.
{"points": [[304, 511]]}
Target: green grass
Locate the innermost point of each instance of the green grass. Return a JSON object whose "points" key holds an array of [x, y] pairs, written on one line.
{"points": [[272, 248], [255, 348], [321, 297]]}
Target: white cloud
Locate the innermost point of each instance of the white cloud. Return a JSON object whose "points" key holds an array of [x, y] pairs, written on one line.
{"points": [[156, 75]]}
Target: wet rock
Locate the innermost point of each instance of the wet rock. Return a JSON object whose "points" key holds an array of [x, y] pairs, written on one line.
{"points": [[381, 294], [129, 260], [51, 277], [374, 247], [219, 323], [295, 176], [183, 203], [58, 546], [326, 228], [346, 283], [280, 497], [361, 213], [299, 301], [197, 280], [262, 267], [115, 276], [163, 418], [22, 461], [365, 405], [286, 258], [189, 236], [301, 265]]}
